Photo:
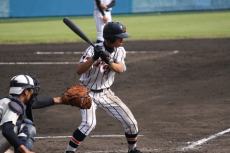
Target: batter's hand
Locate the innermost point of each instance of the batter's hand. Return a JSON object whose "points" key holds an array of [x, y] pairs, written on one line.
{"points": [[97, 52], [105, 56]]}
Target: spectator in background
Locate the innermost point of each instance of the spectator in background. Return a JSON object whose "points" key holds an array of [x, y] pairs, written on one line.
{"points": [[102, 15]]}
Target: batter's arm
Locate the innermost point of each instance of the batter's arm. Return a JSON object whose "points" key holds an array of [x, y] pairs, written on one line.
{"points": [[117, 67], [82, 67]]}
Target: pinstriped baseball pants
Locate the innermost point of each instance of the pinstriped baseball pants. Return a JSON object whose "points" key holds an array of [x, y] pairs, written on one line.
{"points": [[109, 102]]}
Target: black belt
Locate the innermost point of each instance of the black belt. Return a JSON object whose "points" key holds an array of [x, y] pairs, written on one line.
{"points": [[107, 10], [98, 91]]}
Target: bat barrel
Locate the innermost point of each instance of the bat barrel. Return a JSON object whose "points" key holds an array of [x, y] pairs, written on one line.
{"points": [[77, 30]]}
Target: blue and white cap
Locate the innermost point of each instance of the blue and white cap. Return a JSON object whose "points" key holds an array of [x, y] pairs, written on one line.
{"points": [[21, 82]]}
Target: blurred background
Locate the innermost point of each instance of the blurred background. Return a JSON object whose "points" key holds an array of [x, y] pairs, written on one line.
{"points": [[38, 8], [40, 21]]}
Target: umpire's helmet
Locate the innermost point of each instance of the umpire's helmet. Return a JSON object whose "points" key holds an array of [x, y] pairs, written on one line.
{"points": [[21, 82], [114, 30]]}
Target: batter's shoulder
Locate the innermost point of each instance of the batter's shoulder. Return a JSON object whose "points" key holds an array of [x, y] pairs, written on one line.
{"points": [[121, 49]]}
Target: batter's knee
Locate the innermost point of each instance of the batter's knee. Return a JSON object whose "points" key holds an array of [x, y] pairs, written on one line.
{"points": [[87, 127], [132, 128]]}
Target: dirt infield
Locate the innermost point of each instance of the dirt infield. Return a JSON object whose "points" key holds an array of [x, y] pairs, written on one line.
{"points": [[178, 90]]}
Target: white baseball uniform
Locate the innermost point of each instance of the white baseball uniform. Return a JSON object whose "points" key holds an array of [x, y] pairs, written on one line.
{"points": [[23, 126], [99, 78], [6, 115], [98, 17]]}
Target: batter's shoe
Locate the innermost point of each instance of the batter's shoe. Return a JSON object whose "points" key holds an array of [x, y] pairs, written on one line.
{"points": [[135, 151], [69, 152]]}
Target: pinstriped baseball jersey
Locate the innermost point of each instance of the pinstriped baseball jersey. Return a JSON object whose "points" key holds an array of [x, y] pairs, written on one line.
{"points": [[100, 76]]}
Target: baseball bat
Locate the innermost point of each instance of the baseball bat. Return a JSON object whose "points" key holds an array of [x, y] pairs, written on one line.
{"points": [[77, 30]]}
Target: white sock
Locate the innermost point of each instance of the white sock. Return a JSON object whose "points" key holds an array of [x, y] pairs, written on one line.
{"points": [[132, 146], [69, 148]]}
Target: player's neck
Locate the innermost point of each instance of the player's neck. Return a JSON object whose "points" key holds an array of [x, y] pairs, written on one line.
{"points": [[109, 47]]}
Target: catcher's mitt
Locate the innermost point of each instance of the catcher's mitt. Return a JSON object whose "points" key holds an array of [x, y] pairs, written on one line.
{"points": [[77, 95]]}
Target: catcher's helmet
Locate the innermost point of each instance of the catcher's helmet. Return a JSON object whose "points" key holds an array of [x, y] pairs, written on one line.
{"points": [[114, 30], [21, 82]]}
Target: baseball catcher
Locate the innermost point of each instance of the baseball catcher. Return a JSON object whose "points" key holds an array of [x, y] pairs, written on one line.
{"points": [[77, 95], [16, 115]]}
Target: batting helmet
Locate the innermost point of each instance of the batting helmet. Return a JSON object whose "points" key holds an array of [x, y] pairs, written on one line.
{"points": [[114, 30], [21, 82]]}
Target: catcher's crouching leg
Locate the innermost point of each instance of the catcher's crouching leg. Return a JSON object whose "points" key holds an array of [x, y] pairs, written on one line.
{"points": [[27, 133]]}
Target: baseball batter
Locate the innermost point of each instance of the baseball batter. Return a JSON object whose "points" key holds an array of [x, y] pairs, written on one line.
{"points": [[97, 68], [102, 15]]}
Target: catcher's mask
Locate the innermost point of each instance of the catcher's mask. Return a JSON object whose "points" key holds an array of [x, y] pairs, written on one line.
{"points": [[21, 82], [114, 30]]}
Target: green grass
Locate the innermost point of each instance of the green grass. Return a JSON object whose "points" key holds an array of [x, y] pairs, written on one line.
{"points": [[140, 27]]}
